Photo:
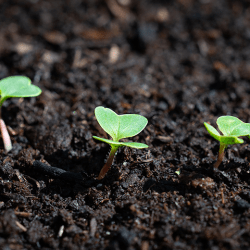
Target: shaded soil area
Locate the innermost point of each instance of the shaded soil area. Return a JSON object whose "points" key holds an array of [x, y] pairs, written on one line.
{"points": [[178, 63]]}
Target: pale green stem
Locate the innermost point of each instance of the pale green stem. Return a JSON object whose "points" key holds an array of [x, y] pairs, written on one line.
{"points": [[220, 155], [5, 135], [109, 162]]}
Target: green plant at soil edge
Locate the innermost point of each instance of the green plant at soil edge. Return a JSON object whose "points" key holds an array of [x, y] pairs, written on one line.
{"points": [[14, 86], [118, 127], [231, 128]]}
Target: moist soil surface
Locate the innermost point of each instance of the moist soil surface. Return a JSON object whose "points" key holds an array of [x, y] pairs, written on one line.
{"points": [[179, 64]]}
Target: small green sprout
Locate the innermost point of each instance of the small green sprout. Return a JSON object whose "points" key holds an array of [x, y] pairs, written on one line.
{"points": [[178, 172], [118, 127], [14, 86], [231, 128]]}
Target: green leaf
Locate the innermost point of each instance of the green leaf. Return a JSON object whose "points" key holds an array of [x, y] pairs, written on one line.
{"points": [[121, 144], [212, 131], [227, 124], [241, 130], [134, 145], [120, 126], [108, 120], [230, 140], [131, 125], [178, 172], [110, 142], [17, 86]]}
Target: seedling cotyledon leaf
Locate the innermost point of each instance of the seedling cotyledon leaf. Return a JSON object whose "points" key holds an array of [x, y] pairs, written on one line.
{"points": [[231, 128], [14, 86], [17, 86], [118, 127]]}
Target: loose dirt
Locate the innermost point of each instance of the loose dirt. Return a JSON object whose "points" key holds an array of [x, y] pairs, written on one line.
{"points": [[178, 63]]}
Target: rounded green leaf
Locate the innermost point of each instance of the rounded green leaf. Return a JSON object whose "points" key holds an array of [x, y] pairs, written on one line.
{"points": [[241, 130], [227, 124], [131, 125], [120, 126], [212, 131], [17, 86], [108, 120]]}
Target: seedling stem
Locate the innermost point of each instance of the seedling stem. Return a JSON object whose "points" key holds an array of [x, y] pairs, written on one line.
{"points": [[220, 155], [108, 164]]}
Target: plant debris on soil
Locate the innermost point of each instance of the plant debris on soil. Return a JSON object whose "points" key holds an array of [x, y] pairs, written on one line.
{"points": [[179, 64]]}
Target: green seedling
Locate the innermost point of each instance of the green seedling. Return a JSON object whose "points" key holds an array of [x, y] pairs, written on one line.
{"points": [[231, 128], [118, 127], [14, 86]]}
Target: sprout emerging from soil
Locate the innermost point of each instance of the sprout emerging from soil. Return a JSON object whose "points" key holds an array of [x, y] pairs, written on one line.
{"points": [[14, 86], [231, 128], [118, 127]]}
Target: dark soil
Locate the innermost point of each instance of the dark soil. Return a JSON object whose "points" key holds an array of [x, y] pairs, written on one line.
{"points": [[177, 62]]}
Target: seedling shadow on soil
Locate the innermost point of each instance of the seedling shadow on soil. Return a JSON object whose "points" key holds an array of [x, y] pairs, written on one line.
{"points": [[219, 176]]}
